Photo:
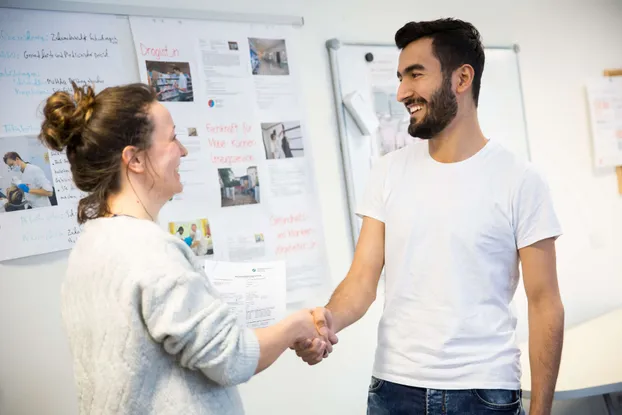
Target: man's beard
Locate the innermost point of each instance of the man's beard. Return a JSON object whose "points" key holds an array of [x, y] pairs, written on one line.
{"points": [[441, 109]]}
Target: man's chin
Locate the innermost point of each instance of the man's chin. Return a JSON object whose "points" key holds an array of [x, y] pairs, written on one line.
{"points": [[418, 132]]}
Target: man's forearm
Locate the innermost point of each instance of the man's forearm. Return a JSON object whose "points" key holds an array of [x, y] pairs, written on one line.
{"points": [[350, 302], [40, 192], [546, 332]]}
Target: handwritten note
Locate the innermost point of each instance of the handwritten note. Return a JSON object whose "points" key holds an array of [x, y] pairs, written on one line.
{"points": [[40, 55], [66, 190], [233, 143], [294, 233]]}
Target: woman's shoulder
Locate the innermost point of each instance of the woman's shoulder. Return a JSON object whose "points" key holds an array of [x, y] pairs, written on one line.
{"points": [[128, 237]]}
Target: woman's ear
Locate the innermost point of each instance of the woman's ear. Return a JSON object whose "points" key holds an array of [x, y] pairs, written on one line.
{"points": [[133, 159]]}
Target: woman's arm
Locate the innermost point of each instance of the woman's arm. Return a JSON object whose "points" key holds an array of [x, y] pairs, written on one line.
{"points": [[274, 340], [180, 312]]}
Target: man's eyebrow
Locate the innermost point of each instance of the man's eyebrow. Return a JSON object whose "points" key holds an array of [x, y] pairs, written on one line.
{"points": [[411, 68]]}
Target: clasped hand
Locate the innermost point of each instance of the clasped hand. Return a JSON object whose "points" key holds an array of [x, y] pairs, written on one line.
{"points": [[318, 344]]}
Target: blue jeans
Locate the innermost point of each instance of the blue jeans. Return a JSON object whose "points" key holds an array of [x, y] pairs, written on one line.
{"points": [[387, 398]]}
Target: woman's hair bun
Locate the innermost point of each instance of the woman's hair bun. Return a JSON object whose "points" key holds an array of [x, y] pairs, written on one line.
{"points": [[65, 117]]}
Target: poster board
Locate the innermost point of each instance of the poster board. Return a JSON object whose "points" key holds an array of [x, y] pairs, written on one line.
{"points": [[233, 90]]}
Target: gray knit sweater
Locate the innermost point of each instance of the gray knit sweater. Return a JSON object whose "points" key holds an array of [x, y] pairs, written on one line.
{"points": [[147, 331]]}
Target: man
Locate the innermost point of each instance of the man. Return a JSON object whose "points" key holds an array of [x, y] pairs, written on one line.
{"points": [[286, 148], [34, 184], [451, 242], [182, 82]]}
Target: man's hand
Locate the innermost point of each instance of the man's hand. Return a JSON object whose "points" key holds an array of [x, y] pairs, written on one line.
{"points": [[313, 351]]}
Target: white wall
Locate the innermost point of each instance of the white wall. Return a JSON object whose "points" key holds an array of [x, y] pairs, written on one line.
{"points": [[561, 45]]}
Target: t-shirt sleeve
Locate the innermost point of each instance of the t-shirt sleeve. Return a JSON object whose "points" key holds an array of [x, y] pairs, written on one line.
{"points": [[534, 217], [373, 201]]}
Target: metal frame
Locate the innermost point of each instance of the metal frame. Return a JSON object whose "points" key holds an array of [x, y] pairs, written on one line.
{"points": [[333, 45], [160, 12]]}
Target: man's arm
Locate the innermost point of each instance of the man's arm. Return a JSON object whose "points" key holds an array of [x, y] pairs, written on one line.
{"points": [[353, 296], [40, 192], [546, 322], [357, 291]]}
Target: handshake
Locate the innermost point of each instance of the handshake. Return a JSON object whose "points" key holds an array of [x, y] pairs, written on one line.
{"points": [[314, 338]]}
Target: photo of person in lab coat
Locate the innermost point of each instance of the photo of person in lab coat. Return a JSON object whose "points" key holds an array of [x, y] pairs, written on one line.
{"points": [[32, 182]]}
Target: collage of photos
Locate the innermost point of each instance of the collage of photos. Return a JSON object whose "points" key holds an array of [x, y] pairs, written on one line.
{"points": [[25, 175], [238, 186], [282, 140], [196, 234], [268, 56], [172, 81]]}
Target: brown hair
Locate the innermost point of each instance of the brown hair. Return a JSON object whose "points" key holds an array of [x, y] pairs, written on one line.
{"points": [[94, 130], [15, 195], [11, 155]]}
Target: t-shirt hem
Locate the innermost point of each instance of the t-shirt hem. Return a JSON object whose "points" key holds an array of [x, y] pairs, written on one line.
{"points": [[539, 237], [373, 215], [440, 385]]}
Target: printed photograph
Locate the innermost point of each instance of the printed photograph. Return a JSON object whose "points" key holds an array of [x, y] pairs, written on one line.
{"points": [[238, 186], [282, 140], [233, 45], [268, 56], [25, 175], [172, 81], [196, 234], [192, 132]]}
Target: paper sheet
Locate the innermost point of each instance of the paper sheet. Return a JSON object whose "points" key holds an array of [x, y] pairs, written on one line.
{"points": [[605, 102], [256, 291]]}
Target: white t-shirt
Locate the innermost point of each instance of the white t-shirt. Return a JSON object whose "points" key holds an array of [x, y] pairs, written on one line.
{"points": [[452, 231], [182, 82], [35, 178]]}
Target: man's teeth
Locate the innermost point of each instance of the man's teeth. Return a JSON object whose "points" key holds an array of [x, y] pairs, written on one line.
{"points": [[415, 108]]}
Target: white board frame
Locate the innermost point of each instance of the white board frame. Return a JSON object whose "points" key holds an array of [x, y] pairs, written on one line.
{"points": [[162, 12]]}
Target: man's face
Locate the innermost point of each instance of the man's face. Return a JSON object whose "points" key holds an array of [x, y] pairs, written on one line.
{"points": [[426, 93], [194, 228]]}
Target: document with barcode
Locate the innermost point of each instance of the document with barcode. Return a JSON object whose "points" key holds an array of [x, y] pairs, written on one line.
{"points": [[255, 291]]}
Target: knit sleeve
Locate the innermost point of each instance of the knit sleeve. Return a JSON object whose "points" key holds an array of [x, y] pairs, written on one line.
{"points": [[201, 330]]}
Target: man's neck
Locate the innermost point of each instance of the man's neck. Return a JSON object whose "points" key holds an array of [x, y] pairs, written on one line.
{"points": [[462, 139]]}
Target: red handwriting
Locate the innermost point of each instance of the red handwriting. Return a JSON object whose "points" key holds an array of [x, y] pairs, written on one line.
{"points": [[158, 52], [294, 233], [285, 220], [228, 128], [234, 143], [217, 143], [292, 227], [222, 128], [232, 159], [295, 247], [243, 143]]}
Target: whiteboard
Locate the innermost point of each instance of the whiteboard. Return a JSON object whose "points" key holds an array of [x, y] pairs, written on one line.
{"points": [[501, 111]]}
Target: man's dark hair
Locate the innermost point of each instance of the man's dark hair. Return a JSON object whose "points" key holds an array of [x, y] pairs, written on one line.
{"points": [[454, 43], [11, 155]]}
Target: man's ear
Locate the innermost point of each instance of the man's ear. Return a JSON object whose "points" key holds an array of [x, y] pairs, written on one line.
{"points": [[133, 159], [465, 75]]}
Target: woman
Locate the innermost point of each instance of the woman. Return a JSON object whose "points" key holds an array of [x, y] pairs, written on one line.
{"points": [[147, 330]]}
